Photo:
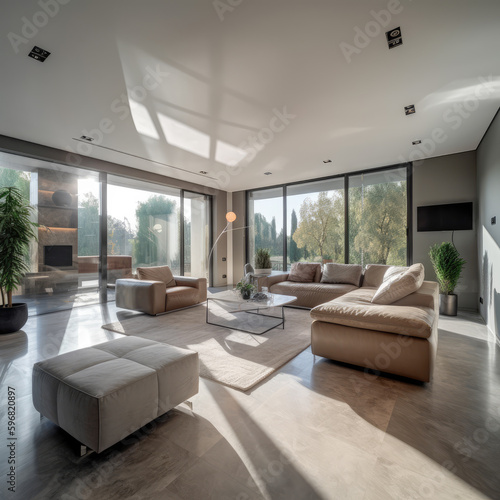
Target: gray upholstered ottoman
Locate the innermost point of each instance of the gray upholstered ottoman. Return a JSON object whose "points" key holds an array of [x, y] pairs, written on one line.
{"points": [[103, 393]]}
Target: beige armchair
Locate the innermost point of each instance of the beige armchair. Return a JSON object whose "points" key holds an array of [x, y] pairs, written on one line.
{"points": [[159, 294]]}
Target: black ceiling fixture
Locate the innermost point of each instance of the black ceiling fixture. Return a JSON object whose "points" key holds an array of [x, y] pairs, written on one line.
{"points": [[268, 173], [410, 110], [416, 142], [327, 161], [39, 54], [394, 38], [86, 138]]}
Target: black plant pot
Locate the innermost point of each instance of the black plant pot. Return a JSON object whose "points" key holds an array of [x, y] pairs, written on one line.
{"points": [[246, 294], [12, 319]]}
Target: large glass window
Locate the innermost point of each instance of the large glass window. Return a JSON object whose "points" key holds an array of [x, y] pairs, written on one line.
{"points": [[63, 262], [265, 214], [196, 234], [316, 229], [143, 223], [143, 229], [315, 215], [378, 218]]}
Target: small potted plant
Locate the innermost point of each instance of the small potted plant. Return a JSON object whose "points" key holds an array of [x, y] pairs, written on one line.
{"points": [[16, 232], [263, 261], [448, 266], [245, 288]]}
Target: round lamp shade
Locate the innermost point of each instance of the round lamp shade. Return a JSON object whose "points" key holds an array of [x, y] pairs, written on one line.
{"points": [[230, 216]]}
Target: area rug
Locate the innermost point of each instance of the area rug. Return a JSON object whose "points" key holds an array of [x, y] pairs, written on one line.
{"points": [[230, 357]]}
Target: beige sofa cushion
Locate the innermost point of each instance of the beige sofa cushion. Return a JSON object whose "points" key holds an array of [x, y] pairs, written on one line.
{"points": [[397, 284], [374, 275], [180, 296], [356, 309], [157, 273], [311, 294], [342, 273], [305, 272]]}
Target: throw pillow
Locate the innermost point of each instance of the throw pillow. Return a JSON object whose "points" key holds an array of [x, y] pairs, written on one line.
{"points": [[400, 285], [342, 273], [157, 273], [303, 272]]}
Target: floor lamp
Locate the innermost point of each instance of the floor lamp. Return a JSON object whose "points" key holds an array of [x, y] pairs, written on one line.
{"points": [[230, 217]]}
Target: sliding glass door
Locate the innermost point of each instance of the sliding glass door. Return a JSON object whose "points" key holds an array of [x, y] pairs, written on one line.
{"points": [[143, 223]]}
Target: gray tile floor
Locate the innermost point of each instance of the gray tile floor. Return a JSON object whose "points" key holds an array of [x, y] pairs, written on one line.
{"points": [[316, 429]]}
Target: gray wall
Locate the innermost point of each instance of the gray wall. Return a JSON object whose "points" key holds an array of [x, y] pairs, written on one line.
{"points": [[239, 235], [448, 179], [488, 186]]}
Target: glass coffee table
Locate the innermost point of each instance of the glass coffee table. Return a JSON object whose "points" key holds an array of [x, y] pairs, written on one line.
{"points": [[229, 310]]}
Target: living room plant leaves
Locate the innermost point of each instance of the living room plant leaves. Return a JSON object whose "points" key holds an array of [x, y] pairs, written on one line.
{"points": [[447, 265], [16, 231]]}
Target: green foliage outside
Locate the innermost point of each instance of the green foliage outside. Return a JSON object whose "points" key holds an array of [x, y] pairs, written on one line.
{"points": [[294, 252], [88, 225], [16, 178], [266, 236], [377, 227], [321, 227], [447, 265], [149, 213], [17, 230], [378, 221]]}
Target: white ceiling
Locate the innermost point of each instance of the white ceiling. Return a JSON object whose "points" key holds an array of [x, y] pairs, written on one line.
{"points": [[221, 83]]}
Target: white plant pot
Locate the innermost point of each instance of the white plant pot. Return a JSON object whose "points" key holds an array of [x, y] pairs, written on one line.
{"points": [[263, 271]]}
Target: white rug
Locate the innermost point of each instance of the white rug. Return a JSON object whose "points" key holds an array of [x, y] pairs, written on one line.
{"points": [[233, 358]]}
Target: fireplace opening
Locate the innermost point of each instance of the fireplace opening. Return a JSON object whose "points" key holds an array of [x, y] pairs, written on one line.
{"points": [[58, 255]]}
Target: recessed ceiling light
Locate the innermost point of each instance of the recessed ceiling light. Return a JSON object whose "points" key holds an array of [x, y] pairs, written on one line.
{"points": [[86, 138], [416, 142], [268, 173], [204, 172], [410, 110], [394, 38], [39, 54], [327, 161]]}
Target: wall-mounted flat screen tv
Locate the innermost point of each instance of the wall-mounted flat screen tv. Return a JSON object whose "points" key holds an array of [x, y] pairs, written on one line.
{"points": [[58, 255], [450, 217]]}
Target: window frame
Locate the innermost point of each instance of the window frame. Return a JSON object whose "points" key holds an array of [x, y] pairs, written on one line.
{"points": [[346, 176]]}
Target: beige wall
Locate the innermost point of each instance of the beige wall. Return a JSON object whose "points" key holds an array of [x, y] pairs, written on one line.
{"points": [[488, 184], [448, 179]]}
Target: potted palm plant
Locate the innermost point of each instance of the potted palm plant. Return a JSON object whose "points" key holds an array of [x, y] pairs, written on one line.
{"points": [[448, 266], [16, 233], [263, 261]]}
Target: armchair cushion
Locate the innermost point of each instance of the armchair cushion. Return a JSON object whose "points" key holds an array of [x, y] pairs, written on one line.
{"points": [[157, 273]]}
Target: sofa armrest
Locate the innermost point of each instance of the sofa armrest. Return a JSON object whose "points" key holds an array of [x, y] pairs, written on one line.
{"points": [[141, 295], [272, 280], [199, 283]]}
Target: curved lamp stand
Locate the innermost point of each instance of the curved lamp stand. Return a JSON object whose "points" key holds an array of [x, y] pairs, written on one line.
{"points": [[230, 217]]}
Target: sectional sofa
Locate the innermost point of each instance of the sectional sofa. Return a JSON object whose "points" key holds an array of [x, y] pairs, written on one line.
{"points": [[384, 319]]}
